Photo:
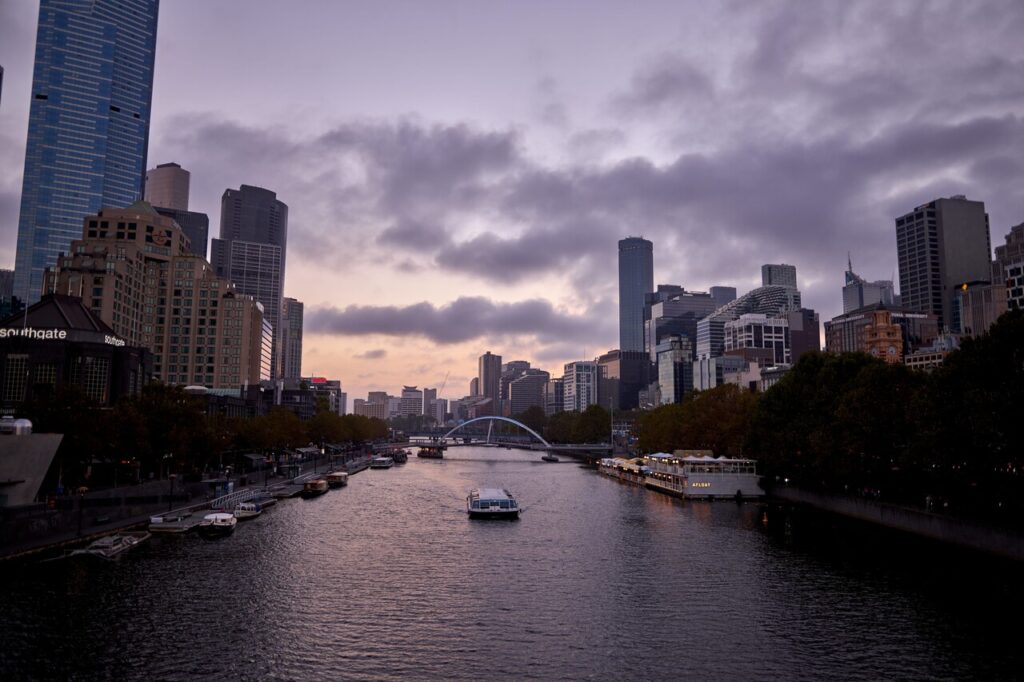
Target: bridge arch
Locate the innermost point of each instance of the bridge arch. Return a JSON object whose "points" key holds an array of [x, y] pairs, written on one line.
{"points": [[503, 419]]}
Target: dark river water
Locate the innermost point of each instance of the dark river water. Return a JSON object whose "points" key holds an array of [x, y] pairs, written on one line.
{"points": [[388, 579]]}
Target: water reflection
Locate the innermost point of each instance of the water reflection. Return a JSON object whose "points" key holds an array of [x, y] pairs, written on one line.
{"points": [[388, 579]]}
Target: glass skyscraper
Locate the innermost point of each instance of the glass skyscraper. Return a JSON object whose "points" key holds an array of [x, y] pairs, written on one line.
{"points": [[636, 280], [88, 125]]}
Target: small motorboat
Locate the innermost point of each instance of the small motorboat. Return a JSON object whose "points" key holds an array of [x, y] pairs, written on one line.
{"points": [[337, 479], [314, 488], [248, 510], [113, 546], [217, 525], [548, 457]]}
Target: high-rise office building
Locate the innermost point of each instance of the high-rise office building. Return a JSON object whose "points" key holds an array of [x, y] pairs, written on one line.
{"points": [[942, 245], [804, 332], [489, 375], [510, 371], [88, 126], [554, 397], [579, 384], [412, 402], [6, 283], [858, 292], [623, 375], [675, 369], [722, 295], [252, 250], [636, 280], [291, 338], [527, 390], [675, 314], [167, 186], [780, 275], [429, 397]]}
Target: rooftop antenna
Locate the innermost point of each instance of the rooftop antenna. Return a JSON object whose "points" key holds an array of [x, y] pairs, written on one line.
{"points": [[849, 262]]}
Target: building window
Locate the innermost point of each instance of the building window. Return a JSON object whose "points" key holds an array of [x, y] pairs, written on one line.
{"points": [[46, 374], [15, 377], [91, 374]]}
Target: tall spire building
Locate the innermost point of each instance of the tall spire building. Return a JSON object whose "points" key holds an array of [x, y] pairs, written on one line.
{"points": [[88, 129]]}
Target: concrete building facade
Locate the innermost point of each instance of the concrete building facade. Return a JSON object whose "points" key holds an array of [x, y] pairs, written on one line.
{"points": [[134, 270], [167, 186], [941, 245]]}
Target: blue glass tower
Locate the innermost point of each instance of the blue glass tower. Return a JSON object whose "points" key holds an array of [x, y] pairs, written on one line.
{"points": [[88, 128]]}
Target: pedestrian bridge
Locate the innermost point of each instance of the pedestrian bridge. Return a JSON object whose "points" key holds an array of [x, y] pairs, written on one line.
{"points": [[541, 443]]}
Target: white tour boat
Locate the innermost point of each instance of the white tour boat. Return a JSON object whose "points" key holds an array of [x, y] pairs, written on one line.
{"points": [[491, 503], [382, 463]]}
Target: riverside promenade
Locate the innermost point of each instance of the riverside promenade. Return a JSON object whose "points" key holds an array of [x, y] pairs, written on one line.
{"points": [[961, 532], [72, 519]]}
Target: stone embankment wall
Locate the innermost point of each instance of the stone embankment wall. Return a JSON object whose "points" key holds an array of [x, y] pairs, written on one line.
{"points": [[935, 526]]}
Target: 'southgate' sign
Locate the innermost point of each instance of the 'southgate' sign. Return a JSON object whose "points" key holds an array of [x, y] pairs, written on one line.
{"points": [[58, 335], [31, 333]]}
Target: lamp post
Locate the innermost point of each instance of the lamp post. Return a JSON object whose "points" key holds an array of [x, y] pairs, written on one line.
{"points": [[170, 498]]}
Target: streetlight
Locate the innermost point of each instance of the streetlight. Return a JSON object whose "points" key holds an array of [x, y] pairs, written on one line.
{"points": [[170, 498]]}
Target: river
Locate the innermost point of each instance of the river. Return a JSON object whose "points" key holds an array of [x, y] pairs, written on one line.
{"points": [[387, 579]]}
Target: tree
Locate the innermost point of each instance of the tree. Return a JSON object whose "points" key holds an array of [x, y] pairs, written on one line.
{"points": [[534, 417]]}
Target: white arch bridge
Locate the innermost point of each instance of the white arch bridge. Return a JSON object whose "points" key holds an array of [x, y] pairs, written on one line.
{"points": [[541, 445]]}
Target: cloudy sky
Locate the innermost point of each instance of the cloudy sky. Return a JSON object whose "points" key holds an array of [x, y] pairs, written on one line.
{"points": [[458, 173]]}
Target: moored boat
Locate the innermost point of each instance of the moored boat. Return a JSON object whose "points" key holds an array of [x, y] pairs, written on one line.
{"points": [[382, 463], [548, 457], [431, 452], [399, 456], [709, 477], [627, 470], [337, 479], [113, 546], [247, 510], [314, 487], [217, 525], [491, 503]]}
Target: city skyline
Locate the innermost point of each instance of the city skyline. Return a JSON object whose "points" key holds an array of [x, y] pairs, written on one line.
{"points": [[459, 206]]}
